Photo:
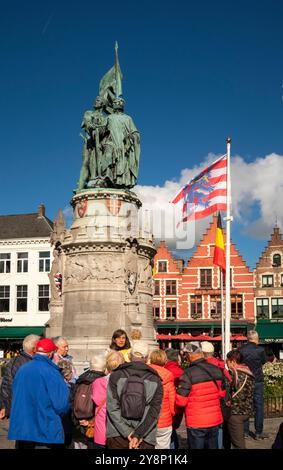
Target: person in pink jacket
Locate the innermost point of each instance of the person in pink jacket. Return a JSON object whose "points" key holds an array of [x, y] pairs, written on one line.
{"points": [[99, 393]]}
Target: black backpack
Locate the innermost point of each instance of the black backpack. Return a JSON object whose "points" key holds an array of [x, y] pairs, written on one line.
{"points": [[133, 398]]}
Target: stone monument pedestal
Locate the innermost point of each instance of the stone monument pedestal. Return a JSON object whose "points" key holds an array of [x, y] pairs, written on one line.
{"points": [[107, 278]]}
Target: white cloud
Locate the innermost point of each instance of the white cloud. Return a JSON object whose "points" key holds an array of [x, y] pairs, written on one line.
{"points": [[258, 185], [257, 195]]}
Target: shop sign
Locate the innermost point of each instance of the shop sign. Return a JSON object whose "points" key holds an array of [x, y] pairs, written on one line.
{"points": [[273, 340]]}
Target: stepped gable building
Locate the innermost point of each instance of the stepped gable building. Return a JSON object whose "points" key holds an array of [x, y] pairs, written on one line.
{"points": [[25, 261], [167, 286], [187, 298], [268, 282]]}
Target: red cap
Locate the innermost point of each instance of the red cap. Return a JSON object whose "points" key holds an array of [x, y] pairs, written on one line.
{"points": [[46, 345]]}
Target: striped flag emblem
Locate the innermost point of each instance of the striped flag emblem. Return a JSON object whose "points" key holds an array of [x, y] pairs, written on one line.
{"points": [[206, 193]]}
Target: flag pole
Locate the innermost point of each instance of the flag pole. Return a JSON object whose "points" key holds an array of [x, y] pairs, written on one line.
{"points": [[227, 273], [116, 68], [222, 315]]}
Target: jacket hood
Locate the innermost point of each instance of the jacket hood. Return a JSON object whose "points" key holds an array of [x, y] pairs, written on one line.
{"points": [[174, 364], [138, 368], [216, 362], [40, 358], [174, 367], [165, 375], [245, 369], [89, 376]]}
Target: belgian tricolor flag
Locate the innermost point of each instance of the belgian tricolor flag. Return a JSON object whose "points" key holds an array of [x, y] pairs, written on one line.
{"points": [[219, 250]]}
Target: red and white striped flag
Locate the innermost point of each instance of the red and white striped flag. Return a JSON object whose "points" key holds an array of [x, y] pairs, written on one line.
{"points": [[58, 283], [206, 193]]}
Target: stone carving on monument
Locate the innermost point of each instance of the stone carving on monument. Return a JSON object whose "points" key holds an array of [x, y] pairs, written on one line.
{"points": [[56, 277], [131, 265], [106, 262], [145, 273]]}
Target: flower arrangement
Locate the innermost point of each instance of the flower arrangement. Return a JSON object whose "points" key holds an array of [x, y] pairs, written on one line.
{"points": [[3, 364], [273, 378]]}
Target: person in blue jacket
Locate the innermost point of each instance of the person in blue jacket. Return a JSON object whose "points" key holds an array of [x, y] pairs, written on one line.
{"points": [[40, 399]]}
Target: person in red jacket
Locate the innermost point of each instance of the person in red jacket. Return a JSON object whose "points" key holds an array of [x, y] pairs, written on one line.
{"points": [[200, 389], [173, 365], [158, 360], [208, 354]]}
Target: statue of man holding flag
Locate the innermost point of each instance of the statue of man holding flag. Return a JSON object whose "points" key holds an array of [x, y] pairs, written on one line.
{"points": [[112, 143], [122, 149]]}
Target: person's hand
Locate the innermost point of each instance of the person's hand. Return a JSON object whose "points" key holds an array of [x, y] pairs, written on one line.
{"points": [[134, 443], [2, 413]]}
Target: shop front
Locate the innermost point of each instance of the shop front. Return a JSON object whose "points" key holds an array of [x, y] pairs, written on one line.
{"points": [[176, 334], [271, 335], [11, 338]]}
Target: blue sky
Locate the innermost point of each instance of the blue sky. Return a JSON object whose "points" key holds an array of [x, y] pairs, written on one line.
{"points": [[194, 72]]}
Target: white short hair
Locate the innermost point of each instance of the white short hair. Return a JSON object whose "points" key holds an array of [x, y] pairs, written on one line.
{"points": [[60, 340], [140, 349], [98, 363], [29, 342], [252, 335]]}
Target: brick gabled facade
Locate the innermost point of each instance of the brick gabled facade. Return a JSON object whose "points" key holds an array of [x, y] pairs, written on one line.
{"points": [[197, 294], [268, 281], [167, 269]]}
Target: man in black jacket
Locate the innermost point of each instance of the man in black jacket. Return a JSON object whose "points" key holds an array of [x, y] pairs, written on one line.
{"points": [[254, 357], [134, 398], [26, 355]]}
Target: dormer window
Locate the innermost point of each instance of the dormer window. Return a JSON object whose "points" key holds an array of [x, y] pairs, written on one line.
{"points": [[276, 260], [162, 266]]}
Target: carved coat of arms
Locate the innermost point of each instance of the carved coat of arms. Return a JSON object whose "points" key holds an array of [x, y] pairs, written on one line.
{"points": [[113, 206], [132, 282], [82, 207]]}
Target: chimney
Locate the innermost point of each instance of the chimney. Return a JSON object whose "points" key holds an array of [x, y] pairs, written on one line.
{"points": [[41, 210]]}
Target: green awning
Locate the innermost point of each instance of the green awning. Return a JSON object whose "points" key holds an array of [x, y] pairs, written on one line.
{"points": [[270, 330], [20, 331]]}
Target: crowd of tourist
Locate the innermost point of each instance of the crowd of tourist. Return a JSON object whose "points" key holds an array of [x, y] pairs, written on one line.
{"points": [[132, 397]]}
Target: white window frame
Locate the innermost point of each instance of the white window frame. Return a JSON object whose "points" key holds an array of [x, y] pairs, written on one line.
{"points": [[43, 296], [21, 297], [177, 313], [21, 262], [5, 297], [44, 261], [267, 275], [261, 299], [275, 298], [5, 261]]}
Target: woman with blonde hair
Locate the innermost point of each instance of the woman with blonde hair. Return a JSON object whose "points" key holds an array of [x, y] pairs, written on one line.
{"points": [[99, 394], [158, 360]]}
